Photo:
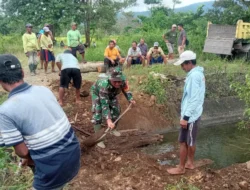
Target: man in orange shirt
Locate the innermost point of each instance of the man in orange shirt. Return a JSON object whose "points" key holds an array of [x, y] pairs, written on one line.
{"points": [[112, 56]]}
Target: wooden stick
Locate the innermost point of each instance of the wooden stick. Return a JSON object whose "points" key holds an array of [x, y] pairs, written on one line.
{"points": [[81, 130]]}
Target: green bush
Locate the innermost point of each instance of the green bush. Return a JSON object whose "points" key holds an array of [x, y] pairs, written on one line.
{"points": [[157, 87], [243, 91]]}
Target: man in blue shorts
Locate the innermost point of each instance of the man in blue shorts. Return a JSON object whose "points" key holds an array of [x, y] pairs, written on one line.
{"points": [[191, 110], [47, 49], [32, 121], [156, 55]]}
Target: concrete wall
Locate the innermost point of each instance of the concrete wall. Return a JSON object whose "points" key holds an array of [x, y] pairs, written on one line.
{"points": [[222, 111]]}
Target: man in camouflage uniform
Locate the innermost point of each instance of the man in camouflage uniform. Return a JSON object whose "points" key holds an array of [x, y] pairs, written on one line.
{"points": [[105, 106]]}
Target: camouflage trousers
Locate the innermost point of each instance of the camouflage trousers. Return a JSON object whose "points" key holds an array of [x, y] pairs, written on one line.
{"points": [[99, 115]]}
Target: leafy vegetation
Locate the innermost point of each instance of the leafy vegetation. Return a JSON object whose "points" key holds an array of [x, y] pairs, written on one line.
{"points": [[182, 185], [242, 89]]}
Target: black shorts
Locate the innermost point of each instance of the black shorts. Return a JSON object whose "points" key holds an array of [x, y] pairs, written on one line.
{"points": [[189, 135], [67, 75], [109, 64], [79, 48]]}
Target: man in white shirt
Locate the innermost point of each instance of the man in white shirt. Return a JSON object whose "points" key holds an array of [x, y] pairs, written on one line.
{"points": [[134, 55], [68, 65]]}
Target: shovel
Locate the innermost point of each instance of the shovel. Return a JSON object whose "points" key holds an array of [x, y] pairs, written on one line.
{"points": [[98, 136]]}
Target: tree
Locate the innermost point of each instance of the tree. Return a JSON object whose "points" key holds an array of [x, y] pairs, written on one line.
{"points": [[150, 2], [91, 13], [228, 12], [98, 14], [39, 12], [175, 2]]}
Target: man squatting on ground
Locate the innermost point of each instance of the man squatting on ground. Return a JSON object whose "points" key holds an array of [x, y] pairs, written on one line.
{"points": [[191, 110], [69, 69], [112, 56], [31, 48], [156, 55], [105, 106], [32, 121], [134, 55]]}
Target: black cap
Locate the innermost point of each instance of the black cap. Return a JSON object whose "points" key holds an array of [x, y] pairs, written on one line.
{"points": [[9, 62]]}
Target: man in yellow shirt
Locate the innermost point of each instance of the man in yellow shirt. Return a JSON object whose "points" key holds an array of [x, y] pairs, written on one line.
{"points": [[47, 49], [31, 48], [112, 56]]}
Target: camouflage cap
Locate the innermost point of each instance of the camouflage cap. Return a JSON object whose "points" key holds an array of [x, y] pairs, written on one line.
{"points": [[116, 74]]}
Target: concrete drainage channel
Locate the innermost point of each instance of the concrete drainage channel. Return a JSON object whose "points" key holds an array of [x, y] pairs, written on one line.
{"points": [[219, 138]]}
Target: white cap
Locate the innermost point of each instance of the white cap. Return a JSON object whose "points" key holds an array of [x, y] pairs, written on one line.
{"points": [[46, 29], [174, 25], [186, 56], [156, 44]]}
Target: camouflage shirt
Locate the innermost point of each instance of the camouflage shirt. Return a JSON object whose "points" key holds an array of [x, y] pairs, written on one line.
{"points": [[105, 92]]}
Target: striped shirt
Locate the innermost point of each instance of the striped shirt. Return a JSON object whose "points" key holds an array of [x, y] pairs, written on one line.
{"points": [[32, 115]]}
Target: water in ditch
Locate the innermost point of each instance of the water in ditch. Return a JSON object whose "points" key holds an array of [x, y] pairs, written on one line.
{"points": [[225, 145]]}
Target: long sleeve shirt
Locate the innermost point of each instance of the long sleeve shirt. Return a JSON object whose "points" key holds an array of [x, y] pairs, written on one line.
{"points": [[73, 38], [103, 90], [30, 42], [45, 41]]}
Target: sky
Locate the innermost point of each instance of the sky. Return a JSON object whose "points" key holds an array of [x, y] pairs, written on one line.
{"points": [[142, 7]]}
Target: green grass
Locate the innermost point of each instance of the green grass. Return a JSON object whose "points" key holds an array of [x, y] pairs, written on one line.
{"points": [[181, 185]]}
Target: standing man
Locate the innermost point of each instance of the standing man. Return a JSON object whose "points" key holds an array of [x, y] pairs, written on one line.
{"points": [[47, 50], [69, 68], [191, 110], [74, 41], [170, 38], [144, 50], [39, 43], [112, 57], [39, 131], [182, 39], [105, 106], [31, 48], [134, 55], [156, 55]]}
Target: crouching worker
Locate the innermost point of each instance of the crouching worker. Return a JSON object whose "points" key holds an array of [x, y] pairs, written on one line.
{"points": [[112, 56], [156, 55], [69, 69], [105, 106], [32, 121]]}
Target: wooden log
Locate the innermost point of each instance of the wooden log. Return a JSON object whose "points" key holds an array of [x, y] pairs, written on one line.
{"points": [[101, 69], [90, 67]]}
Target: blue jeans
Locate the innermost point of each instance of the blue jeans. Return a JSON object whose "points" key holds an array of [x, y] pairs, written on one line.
{"points": [[136, 61], [156, 60]]}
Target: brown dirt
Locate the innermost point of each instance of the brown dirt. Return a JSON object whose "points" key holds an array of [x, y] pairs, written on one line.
{"points": [[122, 165]]}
